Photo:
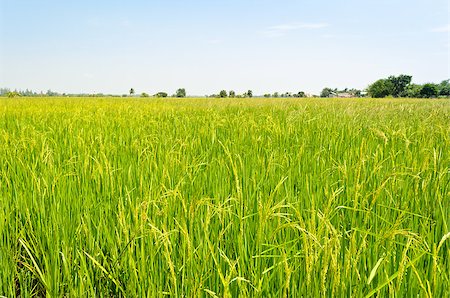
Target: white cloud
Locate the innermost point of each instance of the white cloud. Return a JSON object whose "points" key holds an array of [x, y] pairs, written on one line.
{"points": [[283, 29], [444, 29]]}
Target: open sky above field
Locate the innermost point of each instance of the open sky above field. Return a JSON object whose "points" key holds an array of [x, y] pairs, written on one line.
{"points": [[205, 46]]}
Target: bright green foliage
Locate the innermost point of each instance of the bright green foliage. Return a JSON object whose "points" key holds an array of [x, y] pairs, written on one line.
{"points": [[224, 197], [381, 88]]}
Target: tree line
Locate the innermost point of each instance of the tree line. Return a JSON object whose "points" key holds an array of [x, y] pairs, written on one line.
{"points": [[402, 86], [392, 86]]}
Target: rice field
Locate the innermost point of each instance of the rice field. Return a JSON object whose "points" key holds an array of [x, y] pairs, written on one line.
{"points": [[131, 197]]}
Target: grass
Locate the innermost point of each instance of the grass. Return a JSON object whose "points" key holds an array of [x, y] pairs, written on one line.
{"points": [[224, 198]]}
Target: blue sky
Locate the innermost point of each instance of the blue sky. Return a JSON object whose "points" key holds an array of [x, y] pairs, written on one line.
{"points": [[206, 46]]}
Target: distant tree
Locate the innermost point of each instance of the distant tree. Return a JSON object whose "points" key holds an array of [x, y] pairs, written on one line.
{"points": [[396, 86], [132, 92], [301, 94], [249, 93], [232, 93], [161, 94], [276, 94], [181, 92], [381, 88], [4, 91], [399, 84], [267, 95], [143, 94], [326, 92], [223, 94], [413, 91], [355, 92], [444, 88], [12, 94], [429, 91], [49, 93]]}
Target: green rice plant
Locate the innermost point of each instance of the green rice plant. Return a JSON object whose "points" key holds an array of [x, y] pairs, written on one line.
{"points": [[224, 197]]}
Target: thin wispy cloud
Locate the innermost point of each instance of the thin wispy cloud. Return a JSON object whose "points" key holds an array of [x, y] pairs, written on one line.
{"points": [[443, 29], [283, 29]]}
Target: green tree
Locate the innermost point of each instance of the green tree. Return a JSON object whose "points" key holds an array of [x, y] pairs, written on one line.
{"points": [[444, 88], [249, 93], [413, 90], [161, 94], [131, 92], [4, 91], [51, 93], [355, 92], [380, 88], [276, 95], [181, 92], [399, 84], [12, 94], [223, 94], [326, 92], [429, 91], [144, 94], [232, 93]]}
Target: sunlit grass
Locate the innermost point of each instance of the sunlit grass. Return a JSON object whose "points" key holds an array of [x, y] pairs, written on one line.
{"points": [[226, 198]]}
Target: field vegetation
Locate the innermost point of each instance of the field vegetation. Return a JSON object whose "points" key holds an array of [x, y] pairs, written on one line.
{"points": [[156, 197]]}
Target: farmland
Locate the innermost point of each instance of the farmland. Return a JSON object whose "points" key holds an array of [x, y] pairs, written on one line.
{"points": [[224, 197]]}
